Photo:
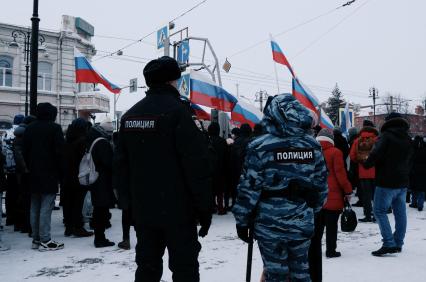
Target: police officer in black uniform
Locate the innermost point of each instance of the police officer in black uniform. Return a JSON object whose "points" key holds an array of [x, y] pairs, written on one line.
{"points": [[163, 173]]}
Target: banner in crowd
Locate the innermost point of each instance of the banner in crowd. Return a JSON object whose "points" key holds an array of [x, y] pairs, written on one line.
{"points": [[246, 113]]}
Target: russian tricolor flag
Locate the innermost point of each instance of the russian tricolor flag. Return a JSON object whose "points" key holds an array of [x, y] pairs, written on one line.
{"points": [[200, 113], [85, 72], [305, 96], [279, 57], [207, 93], [246, 113]]}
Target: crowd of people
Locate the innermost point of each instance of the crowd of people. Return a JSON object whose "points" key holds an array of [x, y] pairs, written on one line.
{"points": [[285, 180]]}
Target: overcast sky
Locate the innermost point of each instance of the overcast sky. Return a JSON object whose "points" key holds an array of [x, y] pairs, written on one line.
{"points": [[371, 42]]}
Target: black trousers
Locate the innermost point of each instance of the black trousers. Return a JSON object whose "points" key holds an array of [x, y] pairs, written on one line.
{"points": [[12, 194], [183, 248], [368, 187], [101, 218], [23, 203], [126, 222], [328, 220], [315, 252], [72, 202]]}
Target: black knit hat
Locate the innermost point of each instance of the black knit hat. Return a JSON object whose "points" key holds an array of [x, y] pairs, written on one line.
{"points": [[367, 122], [393, 115], [160, 71]]}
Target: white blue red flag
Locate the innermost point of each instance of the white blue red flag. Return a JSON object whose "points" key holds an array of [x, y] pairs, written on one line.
{"points": [[200, 113], [279, 57], [345, 123], [85, 72], [206, 92], [246, 113], [305, 96]]}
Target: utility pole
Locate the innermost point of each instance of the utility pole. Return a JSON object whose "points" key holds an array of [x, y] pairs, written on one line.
{"points": [[374, 93], [391, 103], [260, 96], [34, 59], [238, 90]]}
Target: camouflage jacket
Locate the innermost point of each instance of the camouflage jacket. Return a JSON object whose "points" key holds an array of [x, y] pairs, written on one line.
{"points": [[287, 152]]}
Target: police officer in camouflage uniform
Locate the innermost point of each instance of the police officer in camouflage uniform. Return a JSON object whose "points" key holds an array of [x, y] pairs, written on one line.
{"points": [[284, 181]]}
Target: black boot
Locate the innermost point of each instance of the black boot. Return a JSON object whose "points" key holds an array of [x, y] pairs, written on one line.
{"points": [[103, 243], [384, 251], [366, 219], [332, 254]]}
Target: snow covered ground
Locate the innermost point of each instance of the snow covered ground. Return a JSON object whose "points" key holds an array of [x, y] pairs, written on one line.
{"points": [[222, 258]]}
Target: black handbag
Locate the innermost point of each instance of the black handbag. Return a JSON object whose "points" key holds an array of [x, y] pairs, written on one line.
{"points": [[348, 220]]}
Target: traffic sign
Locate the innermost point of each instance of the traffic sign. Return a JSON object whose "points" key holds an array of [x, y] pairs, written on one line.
{"points": [[162, 35], [133, 85], [183, 85], [183, 52]]}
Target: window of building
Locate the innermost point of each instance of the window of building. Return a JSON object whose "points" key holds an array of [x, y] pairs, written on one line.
{"points": [[44, 81], [6, 64]]}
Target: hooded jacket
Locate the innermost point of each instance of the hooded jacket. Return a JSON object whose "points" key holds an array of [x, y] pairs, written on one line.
{"points": [[392, 155], [359, 154], [43, 147], [338, 183], [287, 152]]}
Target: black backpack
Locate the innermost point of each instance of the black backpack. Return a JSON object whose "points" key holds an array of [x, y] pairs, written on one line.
{"points": [[348, 220]]}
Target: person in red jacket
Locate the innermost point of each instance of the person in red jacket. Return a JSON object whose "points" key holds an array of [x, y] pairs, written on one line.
{"points": [[339, 190], [360, 150]]}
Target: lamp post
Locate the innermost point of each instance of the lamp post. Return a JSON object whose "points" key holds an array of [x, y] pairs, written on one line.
{"points": [[27, 38], [34, 58]]}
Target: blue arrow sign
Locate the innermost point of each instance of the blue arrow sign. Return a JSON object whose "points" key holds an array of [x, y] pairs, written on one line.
{"points": [[183, 52], [162, 34]]}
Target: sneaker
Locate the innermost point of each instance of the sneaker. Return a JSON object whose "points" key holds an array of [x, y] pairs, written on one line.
{"points": [[103, 243], [332, 254], [50, 246], [81, 232], [385, 251], [125, 245], [366, 219], [35, 245], [420, 209], [68, 232], [398, 249]]}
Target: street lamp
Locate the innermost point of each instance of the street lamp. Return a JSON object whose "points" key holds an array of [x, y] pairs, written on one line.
{"points": [[27, 39]]}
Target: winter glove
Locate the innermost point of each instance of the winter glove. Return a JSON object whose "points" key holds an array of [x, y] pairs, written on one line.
{"points": [[205, 222], [244, 233]]}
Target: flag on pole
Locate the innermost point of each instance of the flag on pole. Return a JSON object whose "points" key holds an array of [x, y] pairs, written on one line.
{"points": [[206, 92], [305, 96], [85, 72], [345, 123], [246, 113], [279, 57], [200, 113]]}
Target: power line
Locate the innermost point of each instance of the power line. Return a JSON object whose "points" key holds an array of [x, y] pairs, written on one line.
{"points": [[291, 29], [152, 32]]}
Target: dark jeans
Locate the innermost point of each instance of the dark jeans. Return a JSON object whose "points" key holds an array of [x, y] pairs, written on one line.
{"points": [[101, 218], [367, 190], [328, 220], [315, 252], [126, 222], [12, 193], [183, 248], [418, 199], [72, 201]]}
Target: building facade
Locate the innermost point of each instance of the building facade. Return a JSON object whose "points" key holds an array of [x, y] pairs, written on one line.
{"points": [[417, 122], [56, 71]]}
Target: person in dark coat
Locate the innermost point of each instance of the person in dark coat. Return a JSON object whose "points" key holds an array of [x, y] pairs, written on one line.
{"points": [[218, 174], [164, 171], [341, 143], [72, 193], [102, 194], [43, 147], [238, 152], [391, 156], [417, 174]]}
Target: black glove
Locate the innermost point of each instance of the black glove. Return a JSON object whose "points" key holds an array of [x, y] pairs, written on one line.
{"points": [[205, 222], [244, 233]]}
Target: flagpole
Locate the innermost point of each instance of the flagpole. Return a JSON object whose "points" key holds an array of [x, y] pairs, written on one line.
{"points": [[275, 69]]}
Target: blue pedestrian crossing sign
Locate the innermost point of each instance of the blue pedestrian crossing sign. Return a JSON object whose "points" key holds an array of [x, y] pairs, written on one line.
{"points": [[183, 52], [162, 35], [183, 85]]}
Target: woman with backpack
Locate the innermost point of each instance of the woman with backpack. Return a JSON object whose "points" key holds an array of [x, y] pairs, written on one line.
{"points": [[360, 150], [339, 190], [101, 190]]}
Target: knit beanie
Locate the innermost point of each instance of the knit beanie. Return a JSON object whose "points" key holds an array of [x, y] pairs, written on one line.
{"points": [[326, 134]]}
